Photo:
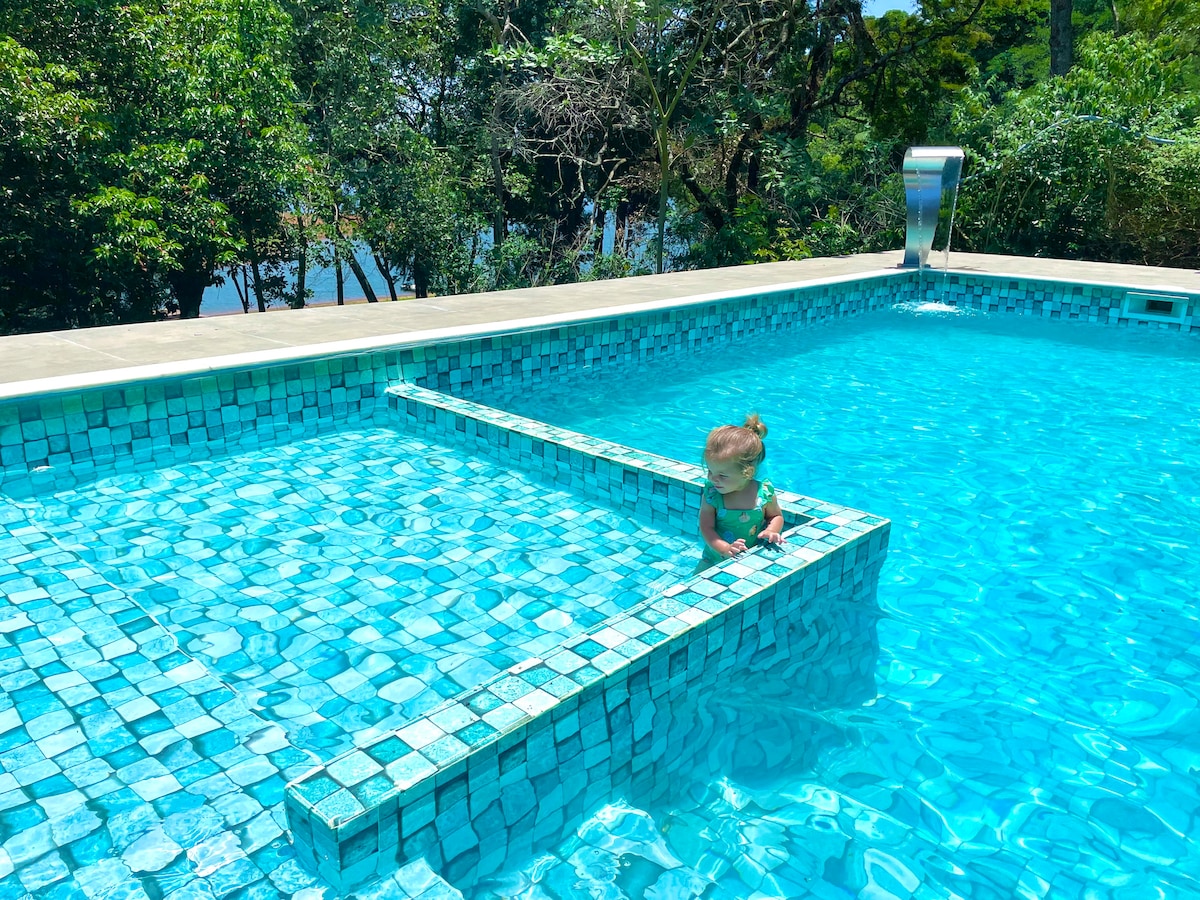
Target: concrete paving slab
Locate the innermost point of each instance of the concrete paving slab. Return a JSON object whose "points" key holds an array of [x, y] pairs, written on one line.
{"points": [[1072, 270], [34, 356], [37, 363]]}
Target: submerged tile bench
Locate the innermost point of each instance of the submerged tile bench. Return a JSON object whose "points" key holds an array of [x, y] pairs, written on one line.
{"points": [[502, 769]]}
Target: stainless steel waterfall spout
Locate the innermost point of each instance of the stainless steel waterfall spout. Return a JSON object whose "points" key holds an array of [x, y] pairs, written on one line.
{"points": [[928, 173]]}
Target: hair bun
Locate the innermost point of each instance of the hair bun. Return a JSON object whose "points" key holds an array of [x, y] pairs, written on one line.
{"points": [[755, 424]]}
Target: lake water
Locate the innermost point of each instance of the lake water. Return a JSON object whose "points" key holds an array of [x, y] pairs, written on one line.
{"points": [[223, 299]]}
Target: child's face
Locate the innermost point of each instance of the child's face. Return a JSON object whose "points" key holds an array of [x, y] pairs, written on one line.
{"points": [[727, 476]]}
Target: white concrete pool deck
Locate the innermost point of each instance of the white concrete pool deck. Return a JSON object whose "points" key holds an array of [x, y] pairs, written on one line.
{"points": [[66, 360]]}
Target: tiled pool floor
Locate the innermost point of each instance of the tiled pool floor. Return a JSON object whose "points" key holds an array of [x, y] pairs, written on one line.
{"points": [[175, 646], [345, 584], [128, 770]]}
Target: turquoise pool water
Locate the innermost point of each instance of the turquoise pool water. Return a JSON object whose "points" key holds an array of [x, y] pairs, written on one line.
{"points": [[1034, 728], [177, 645], [348, 583]]}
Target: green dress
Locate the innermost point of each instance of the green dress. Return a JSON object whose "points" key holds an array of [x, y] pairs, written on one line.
{"points": [[737, 523]]}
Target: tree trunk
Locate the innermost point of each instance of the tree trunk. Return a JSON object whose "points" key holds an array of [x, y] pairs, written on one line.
{"points": [[499, 220], [476, 241], [1061, 37], [356, 267], [387, 275], [420, 273], [338, 276], [664, 166], [243, 290], [301, 266], [574, 218], [598, 238], [188, 288], [256, 270]]}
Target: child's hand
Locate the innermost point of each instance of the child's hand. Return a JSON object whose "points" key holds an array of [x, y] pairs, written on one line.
{"points": [[771, 537], [738, 546]]}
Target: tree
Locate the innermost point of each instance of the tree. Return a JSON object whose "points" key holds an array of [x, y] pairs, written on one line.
{"points": [[192, 149], [408, 204], [1062, 37], [48, 130], [206, 140], [665, 44], [582, 132], [784, 76], [1078, 166]]}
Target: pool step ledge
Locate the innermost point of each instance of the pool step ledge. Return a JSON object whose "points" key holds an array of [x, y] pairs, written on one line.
{"points": [[502, 769]]}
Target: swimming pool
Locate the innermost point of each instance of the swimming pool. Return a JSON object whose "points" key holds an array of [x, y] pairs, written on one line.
{"points": [[1034, 728], [133, 768]]}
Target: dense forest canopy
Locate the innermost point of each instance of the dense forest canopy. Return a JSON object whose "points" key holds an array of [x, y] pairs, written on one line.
{"points": [[149, 148]]}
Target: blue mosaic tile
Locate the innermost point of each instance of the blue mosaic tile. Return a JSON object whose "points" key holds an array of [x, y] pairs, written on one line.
{"points": [[142, 565], [520, 694]]}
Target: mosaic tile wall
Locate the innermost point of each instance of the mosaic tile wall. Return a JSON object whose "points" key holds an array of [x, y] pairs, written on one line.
{"points": [[70, 438], [664, 490], [505, 767], [460, 368], [583, 726], [1098, 303], [59, 441], [774, 712], [63, 440]]}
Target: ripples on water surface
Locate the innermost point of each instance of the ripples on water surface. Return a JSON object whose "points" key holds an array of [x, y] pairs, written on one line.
{"points": [[1035, 730], [348, 583]]}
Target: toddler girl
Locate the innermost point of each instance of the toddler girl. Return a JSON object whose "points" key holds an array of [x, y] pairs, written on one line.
{"points": [[736, 511]]}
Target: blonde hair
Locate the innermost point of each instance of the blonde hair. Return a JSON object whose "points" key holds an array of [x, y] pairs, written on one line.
{"points": [[741, 444]]}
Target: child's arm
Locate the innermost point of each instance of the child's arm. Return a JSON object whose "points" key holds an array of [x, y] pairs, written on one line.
{"points": [[773, 516], [708, 531]]}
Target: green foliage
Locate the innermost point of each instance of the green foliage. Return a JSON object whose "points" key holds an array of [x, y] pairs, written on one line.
{"points": [[565, 54], [831, 195], [216, 100], [1158, 205], [907, 100], [406, 202], [612, 265], [1067, 169], [519, 262], [747, 237], [1176, 20], [182, 154], [149, 148], [47, 128]]}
